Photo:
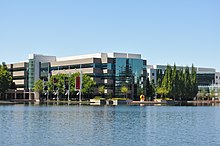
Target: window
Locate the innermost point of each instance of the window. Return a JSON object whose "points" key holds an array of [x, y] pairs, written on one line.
{"points": [[74, 66], [63, 67], [87, 65], [105, 81], [152, 74]]}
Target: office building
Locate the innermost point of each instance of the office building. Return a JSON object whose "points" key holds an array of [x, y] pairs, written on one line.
{"points": [[207, 78], [113, 70]]}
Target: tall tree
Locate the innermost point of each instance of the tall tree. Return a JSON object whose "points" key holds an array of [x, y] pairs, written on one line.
{"points": [[187, 84], [5, 78], [159, 77], [150, 89], [174, 82], [194, 89], [167, 83], [178, 84]]}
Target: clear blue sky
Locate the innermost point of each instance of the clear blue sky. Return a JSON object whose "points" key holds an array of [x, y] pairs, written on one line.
{"points": [[163, 31]]}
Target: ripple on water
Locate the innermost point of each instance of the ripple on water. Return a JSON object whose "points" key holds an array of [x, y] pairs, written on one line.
{"points": [[109, 125]]}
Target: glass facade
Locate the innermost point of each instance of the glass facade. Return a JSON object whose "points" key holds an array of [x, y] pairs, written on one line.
{"points": [[205, 79], [118, 72], [132, 74], [114, 73], [31, 71], [45, 71], [89, 65]]}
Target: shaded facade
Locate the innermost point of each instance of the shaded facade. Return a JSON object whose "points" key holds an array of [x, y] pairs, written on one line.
{"points": [[19, 72]]}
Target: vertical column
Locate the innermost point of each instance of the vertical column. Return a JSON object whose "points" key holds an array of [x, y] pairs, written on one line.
{"points": [[80, 90], [24, 95], [29, 93], [15, 94], [69, 85]]}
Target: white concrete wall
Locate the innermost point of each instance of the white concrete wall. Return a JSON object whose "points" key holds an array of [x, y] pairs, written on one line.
{"points": [[18, 73], [96, 55], [101, 55], [72, 62], [135, 56], [71, 71], [217, 78], [152, 75], [117, 55], [205, 70], [124, 55], [40, 58], [19, 82]]}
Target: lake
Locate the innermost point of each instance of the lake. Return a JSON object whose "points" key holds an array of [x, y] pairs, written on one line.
{"points": [[39, 125]]}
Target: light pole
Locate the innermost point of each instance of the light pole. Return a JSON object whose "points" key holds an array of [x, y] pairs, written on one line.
{"points": [[57, 93], [68, 91], [69, 88], [58, 86], [30, 93], [48, 80], [132, 87], [80, 90]]}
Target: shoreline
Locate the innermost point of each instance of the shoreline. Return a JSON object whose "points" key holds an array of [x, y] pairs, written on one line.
{"points": [[53, 102]]}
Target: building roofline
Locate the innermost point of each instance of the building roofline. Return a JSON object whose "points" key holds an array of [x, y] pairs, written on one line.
{"points": [[100, 55]]}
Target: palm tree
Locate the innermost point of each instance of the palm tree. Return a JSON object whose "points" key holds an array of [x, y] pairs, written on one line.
{"points": [[124, 90], [203, 93], [38, 86], [212, 93], [101, 90]]}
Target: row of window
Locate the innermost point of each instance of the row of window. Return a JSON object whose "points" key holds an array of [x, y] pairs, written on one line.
{"points": [[90, 65]]}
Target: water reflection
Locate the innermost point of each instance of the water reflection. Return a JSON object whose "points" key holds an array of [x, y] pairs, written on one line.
{"points": [[109, 125], [198, 104]]}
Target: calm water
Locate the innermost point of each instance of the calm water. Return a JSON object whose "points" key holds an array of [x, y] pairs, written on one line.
{"points": [[109, 125]]}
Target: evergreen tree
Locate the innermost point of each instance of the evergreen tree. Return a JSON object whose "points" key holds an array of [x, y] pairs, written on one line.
{"points": [[5, 78], [167, 83], [169, 80], [159, 77], [150, 89], [180, 84], [194, 85], [187, 84], [174, 82]]}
